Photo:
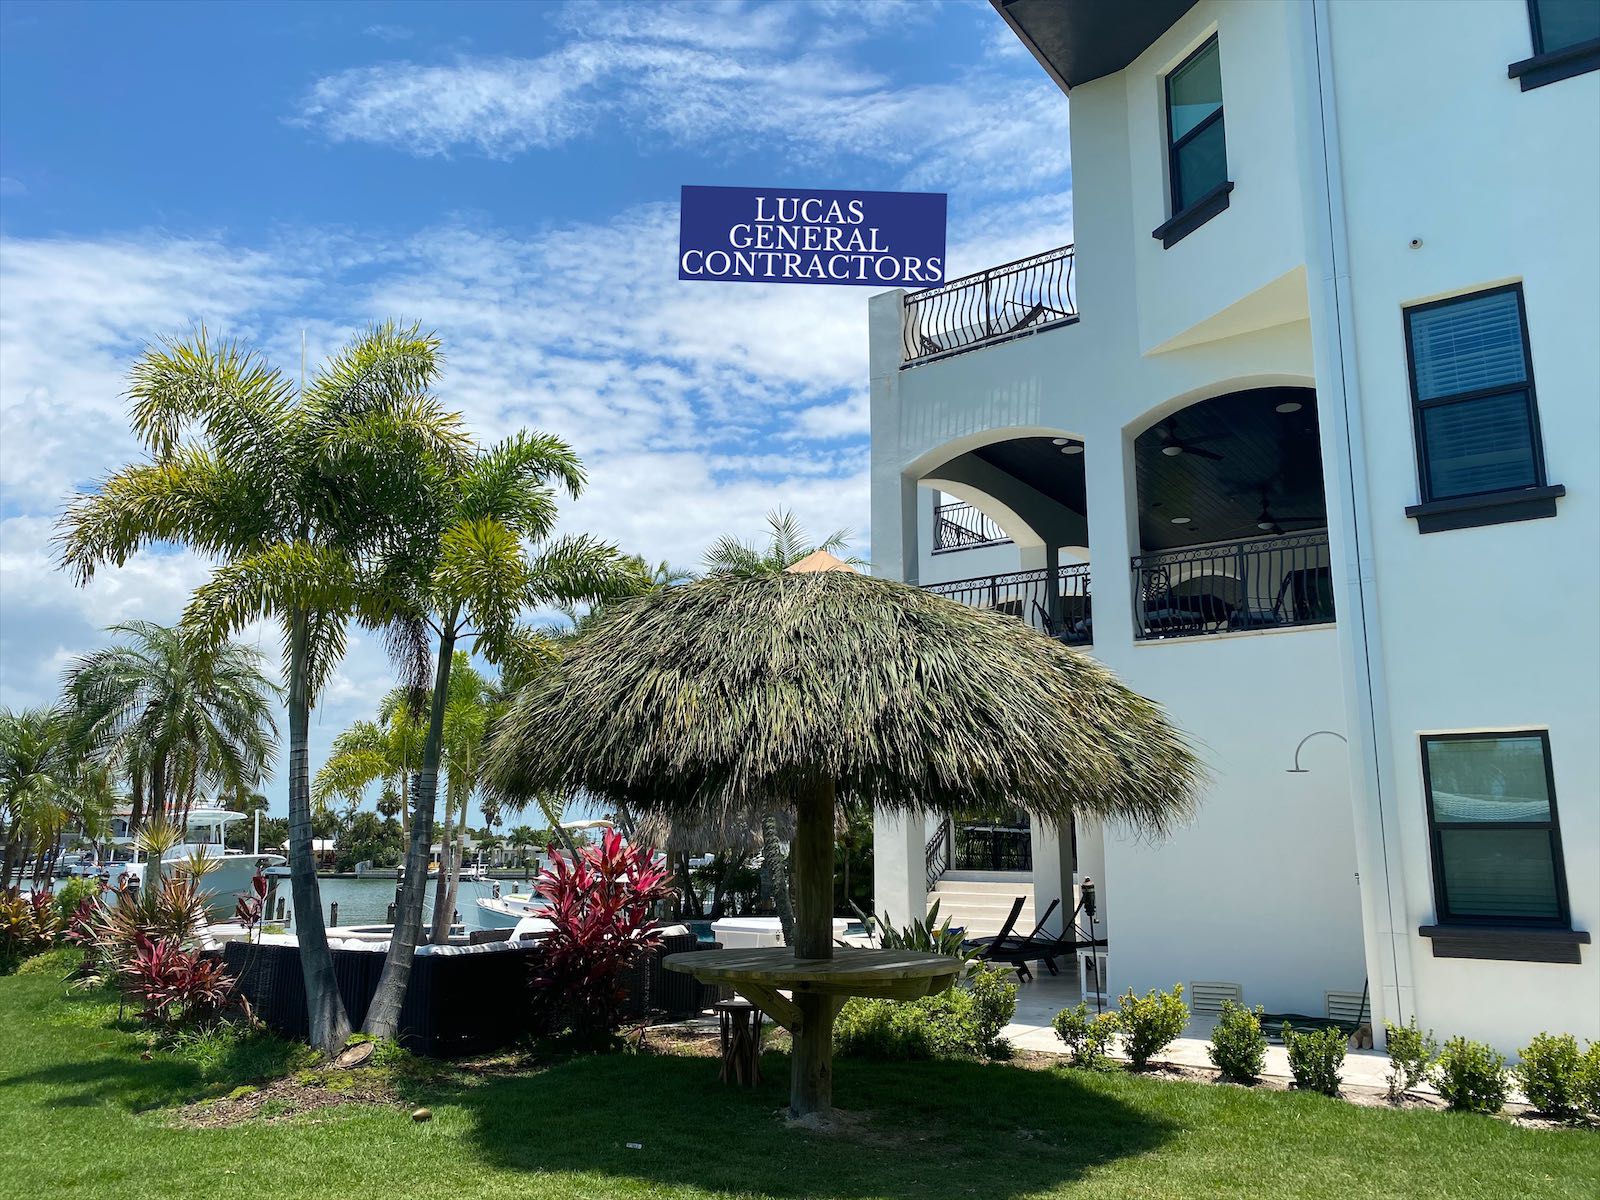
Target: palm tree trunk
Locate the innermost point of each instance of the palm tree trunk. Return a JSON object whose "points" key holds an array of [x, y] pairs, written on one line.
{"points": [[158, 786], [136, 786], [440, 932], [329, 1023], [383, 1016], [457, 861]]}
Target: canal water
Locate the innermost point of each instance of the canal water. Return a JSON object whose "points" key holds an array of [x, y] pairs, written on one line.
{"points": [[366, 901]]}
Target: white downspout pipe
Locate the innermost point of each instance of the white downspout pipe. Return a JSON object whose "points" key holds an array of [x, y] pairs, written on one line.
{"points": [[1339, 402]]}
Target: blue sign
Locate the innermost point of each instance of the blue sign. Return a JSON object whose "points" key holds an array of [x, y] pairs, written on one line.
{"points": [[799, 235]]}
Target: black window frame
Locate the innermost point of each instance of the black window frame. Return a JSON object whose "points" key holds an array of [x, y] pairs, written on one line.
{"points": [[1552, 66], [1184, 220], [1419, 406], [1441, 906]]}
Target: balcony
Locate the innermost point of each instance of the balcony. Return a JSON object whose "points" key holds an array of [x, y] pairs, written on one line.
{"points": [[962, 526], [1056, 601], [997, 305], [1277, 582]]}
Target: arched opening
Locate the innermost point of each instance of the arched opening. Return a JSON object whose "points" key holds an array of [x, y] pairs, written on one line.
{"points": [[1028, 492], [1233, 525]]}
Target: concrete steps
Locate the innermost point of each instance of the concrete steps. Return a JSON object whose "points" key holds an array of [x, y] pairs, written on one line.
{"points": [[981, 905]]}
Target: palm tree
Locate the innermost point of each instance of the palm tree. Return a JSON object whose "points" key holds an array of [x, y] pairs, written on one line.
{"points": [[467, 715], [787, 544], [176, 714], [386, 751], [522, 839], [38, 783], [467, 574], [745, 693], [293, 493]]}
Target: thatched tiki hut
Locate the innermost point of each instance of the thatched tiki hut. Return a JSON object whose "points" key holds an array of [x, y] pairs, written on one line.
{"points": [[736, 694]]}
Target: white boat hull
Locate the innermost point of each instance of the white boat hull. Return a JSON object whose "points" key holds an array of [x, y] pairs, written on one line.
{"points": [[503, 912], [229, 878]]}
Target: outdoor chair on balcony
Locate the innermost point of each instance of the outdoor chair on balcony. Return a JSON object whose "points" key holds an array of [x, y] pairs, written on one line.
{"points": [[1073, 628]]}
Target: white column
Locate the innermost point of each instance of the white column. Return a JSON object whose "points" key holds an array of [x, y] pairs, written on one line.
{"points": [[899, 871]]}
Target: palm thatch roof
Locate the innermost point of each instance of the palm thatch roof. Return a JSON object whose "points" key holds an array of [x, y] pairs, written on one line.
{"points": [[731, 693], [738, 830]]}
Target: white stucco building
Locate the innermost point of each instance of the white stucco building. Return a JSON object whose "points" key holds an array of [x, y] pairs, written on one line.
{"points": [[1301, 437]]}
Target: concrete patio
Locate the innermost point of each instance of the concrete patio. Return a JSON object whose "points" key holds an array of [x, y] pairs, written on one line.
{"points": [[1039, 1000]]}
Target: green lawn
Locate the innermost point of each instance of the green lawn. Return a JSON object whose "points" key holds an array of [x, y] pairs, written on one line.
{"points": [[82, 1114]]}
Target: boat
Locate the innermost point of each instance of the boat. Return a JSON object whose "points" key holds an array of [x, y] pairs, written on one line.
{"points": [[228, 872], [504, 912]]}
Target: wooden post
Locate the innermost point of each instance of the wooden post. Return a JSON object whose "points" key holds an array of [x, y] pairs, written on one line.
{"points": [[811, 870]]}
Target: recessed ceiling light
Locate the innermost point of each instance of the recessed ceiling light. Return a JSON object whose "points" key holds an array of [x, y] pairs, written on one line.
{"points": [[1072, 448], [1289, 406], [1180, 520], [1062, 441], [1172, 451], [1267, 525]]}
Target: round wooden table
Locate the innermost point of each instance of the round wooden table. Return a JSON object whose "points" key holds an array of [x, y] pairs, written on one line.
{"points": [[761, 974]]}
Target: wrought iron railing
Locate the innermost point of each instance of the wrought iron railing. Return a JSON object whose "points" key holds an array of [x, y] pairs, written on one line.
{"points": [[993, 848], [1263, 583], [992, 306], [936, 855], [1055, 602], [961, 526]]}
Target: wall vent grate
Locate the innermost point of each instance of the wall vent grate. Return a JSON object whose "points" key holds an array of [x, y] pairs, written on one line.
{"points": [[1348, 1006], [1207, 996]]}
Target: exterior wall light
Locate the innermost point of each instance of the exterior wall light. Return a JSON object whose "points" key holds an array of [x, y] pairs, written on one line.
{"points": [[1297, 769]]}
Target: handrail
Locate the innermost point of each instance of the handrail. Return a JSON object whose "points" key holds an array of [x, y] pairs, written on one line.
{"points": [[988, 307], [1055, 602], [1272, 582], [936, 854], [963, 526]]}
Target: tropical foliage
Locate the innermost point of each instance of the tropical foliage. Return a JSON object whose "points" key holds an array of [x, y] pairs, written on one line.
{"points": [[302, 497], [176, 714], [480, 549], [602, 904], [46, 787]]}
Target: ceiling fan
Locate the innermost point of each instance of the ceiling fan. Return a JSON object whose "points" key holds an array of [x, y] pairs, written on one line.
{"points": [[1173, 445], [1270, 522]]}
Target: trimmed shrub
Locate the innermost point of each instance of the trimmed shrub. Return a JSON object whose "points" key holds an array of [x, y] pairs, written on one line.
{"points": [[962, 1022], [1471, 1077], [1150, 1023], [1315, 1057], [1087, 1037], [1589, 1080], [1551, 1074], [1238, 1046], [1411, 1054]]}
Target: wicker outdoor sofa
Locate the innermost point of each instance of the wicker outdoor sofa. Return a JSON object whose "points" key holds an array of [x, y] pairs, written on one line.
{"points": [[461, 999]]}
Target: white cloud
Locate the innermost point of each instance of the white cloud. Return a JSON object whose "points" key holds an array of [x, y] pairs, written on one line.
{"points": [[389, 33], [728, 77], [697, 407]]}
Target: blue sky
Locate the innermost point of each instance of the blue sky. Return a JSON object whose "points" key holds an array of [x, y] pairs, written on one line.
{"points": [[508, 175]]}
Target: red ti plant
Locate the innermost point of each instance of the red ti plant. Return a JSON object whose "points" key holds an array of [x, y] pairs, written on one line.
{"points": [[600, 902], [248, 909], [176, 986]]}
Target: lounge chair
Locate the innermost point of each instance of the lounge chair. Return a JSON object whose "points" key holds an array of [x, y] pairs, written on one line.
{"points": [[1005, 929], [1019, 952]]}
